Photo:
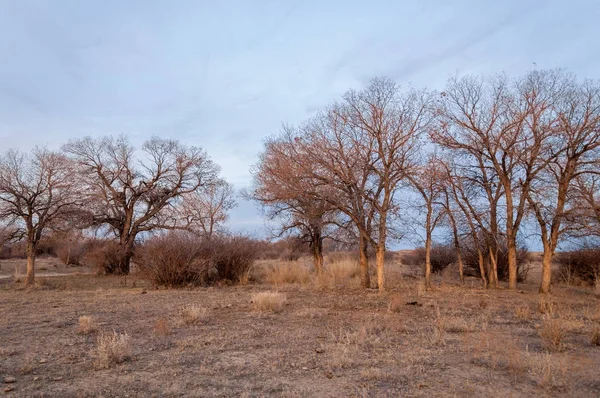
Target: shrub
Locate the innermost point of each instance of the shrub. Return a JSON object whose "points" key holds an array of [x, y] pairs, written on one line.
{"points": [[174, 259], [233, 256], [268, 301], [287, 273], [552, 332], [112, 348], [104, 255], [582, 265], [471, 260], [441, 257], [71, 253]]}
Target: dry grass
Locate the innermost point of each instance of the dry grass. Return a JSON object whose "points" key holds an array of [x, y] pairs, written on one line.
{"points": [[162, 328], [351, 342], [86, 325], [268, 301], [553, 332], [523, 312], [287, 273], [192, 314], [549, 372], [112, 348]]}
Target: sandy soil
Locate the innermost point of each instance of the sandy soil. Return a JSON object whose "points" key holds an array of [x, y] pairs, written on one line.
{"points": [[329, 341]]}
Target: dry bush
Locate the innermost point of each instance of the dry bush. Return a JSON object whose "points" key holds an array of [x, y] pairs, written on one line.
{"points": [[86, 325], [71, 253], [553, 331], [192, 314], [104, 255], [579, 265], [595, 338], [523, 312], [232, 257], [287, 273], [548, 372], [112, 348], [162, 327], [471, 259], [268, 301], [174, 259], [441, 257]]}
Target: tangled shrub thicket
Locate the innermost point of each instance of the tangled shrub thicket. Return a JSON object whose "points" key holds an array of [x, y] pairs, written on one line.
{"points": [[71, 253], [471, 260], [233, 256], [441, 257], [580, 265], [180, 259], [104, 255], [175, 259]]}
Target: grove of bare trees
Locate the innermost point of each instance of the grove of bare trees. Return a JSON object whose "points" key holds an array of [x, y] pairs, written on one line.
{"points": [[508, 152]]}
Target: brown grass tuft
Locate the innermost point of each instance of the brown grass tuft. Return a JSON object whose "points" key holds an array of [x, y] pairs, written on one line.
{"points": [[112, 348], [523, 312], [86, 325], [268, 301], [192, 314], [553, 331]]}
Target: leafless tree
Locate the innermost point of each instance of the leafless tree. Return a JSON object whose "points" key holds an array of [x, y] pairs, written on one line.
{"points": [[38, 191], [283, 185], [574, 110], [363, 147], [132, 196], [206, 209], [428, 180]]}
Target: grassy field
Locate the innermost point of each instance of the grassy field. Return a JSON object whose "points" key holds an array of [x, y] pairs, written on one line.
{"points": [[288, 333]]}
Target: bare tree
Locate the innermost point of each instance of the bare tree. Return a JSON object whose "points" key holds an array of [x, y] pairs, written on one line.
{"points": [[575, 145], [37, 192], [427, 179], [363, 147], [284, 186], [206, 209], [131, 196]]}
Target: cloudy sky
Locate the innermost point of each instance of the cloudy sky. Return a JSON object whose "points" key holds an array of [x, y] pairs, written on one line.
{"points": [[226, 74]]}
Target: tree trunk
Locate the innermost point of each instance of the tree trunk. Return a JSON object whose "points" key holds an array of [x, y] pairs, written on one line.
{"points": [[512, 262], [317, 246], [481, 268], [428, 261], [123, 266], [380, 258], [461, 267], [30, 251], [546, 270], [365, 279], [493, 280]]}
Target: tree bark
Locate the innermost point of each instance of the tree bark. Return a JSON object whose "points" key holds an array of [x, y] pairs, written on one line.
{"points": [[30, 277], [428, 260], [546, 270], [481, 268], [365, 278], [380, 258], [317, 246], [512, 261]]}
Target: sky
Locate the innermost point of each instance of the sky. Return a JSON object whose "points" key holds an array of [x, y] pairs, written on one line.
{"points": [[224, 75]]}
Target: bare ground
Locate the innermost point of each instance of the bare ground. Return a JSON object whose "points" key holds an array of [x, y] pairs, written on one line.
{"points": [[328, 340]]}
